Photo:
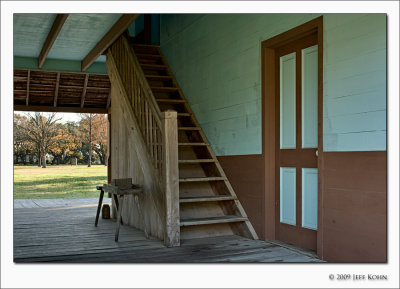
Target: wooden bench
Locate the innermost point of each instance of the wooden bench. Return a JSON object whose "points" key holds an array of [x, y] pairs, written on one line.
{"points": [[118, 189]]}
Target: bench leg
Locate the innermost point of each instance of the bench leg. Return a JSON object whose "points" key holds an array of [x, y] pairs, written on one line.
{"points": [[98, 207], [117, 204], [119, 219], [141, 217]]}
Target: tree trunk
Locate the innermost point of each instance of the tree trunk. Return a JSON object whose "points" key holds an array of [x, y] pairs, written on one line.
{"points": [[58, 160], [90, 156], [39, 159], [43, 159], [16, 157]]}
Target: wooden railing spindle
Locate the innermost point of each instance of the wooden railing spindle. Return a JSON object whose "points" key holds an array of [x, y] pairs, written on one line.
{"points": [[159, 131]]}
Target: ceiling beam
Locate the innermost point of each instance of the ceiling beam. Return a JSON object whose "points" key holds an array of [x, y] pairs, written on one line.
{"points": [[51, 37], [118, 28], [27, 87], [60, 109], [56, 91], [84, 90]]}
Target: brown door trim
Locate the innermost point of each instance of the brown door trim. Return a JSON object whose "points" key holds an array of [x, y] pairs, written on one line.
{"points": [[268, 48]]}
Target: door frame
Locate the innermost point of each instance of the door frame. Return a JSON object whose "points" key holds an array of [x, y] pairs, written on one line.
{"points": [[268, 89]]}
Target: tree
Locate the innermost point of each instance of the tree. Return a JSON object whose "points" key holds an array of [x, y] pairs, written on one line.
{"points": [[64, 143], [22, 146], [100, 137], [41, 131], [73, 132], [86, 126], [93, 128]]}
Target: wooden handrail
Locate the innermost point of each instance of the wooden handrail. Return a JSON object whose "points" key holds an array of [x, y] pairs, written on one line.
{"points": [[159, 130], [141, 98], [143, 82]]}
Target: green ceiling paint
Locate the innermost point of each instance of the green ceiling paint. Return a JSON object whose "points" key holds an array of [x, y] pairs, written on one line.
{"points": [[30, 32], [80, 33]]}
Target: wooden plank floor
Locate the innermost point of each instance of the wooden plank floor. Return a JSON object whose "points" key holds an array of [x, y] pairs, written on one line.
{"points": [[66, 234], [55, 203]]}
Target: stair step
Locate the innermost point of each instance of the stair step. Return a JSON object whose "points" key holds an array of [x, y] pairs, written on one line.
{"points": [[188, 128], [184, 114], [206, 199], [196, 161], [192, 144], [155, 56], [146, 60], [145, 45], [167, 100], [163, 89], [212, 220], [154, 66], [206, 179], [158, 77]]}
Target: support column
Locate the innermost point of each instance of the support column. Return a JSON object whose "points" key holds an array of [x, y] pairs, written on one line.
{"points": [[171, 178], [109, 149]]}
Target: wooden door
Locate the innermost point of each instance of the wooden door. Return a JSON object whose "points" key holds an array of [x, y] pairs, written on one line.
{"points": [[297, 142]]}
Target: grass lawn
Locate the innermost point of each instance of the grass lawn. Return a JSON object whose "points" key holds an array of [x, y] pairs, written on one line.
{"points": [[53, 182]]}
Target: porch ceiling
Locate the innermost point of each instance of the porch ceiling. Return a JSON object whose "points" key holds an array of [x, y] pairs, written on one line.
{"points": [[77, 36], [58, 64]]}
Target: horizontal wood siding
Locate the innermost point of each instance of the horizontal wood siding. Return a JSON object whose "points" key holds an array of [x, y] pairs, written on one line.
{"points": [[354, 207], [246, 174], [216, 60], [355, 82]]}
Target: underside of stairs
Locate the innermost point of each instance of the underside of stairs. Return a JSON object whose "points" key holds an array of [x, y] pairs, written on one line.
{"points": [[208, 204]]}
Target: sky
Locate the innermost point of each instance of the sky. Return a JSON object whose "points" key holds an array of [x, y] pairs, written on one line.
{"points": [[64, 117]]}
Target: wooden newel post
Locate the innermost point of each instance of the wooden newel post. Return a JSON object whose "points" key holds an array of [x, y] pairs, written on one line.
{"points": [[171, 178]]}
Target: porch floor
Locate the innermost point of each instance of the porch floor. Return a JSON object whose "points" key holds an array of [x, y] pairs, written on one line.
{"points": [[63, 231]]}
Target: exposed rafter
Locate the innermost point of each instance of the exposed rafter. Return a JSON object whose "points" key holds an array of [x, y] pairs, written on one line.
{"points": [[118, 28], [60, 109], [61, 91], [84, 90], [27, 87], [51, 37], [56, 90]]}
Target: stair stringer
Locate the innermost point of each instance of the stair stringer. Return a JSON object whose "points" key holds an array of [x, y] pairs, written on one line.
{"points": [[247, 230]]}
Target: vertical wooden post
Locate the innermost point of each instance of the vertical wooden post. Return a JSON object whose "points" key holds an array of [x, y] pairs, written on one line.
{"points": [[109, 148], [171, 178]]}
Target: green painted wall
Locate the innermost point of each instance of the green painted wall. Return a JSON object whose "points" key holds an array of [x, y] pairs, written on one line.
{"points": [[354, 82], [216, 59], [138, 26]]}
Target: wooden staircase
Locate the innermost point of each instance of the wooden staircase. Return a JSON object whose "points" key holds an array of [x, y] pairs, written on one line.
{"points": [[208, 204]]}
